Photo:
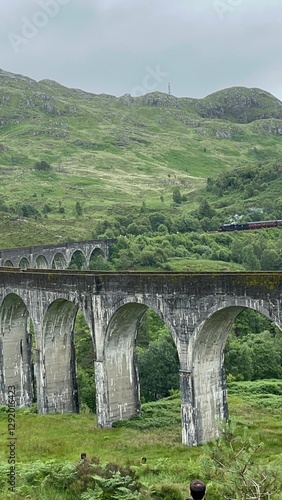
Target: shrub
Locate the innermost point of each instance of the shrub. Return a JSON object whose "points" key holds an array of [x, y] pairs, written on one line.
{"points": [[43, 166], [166, 492]]}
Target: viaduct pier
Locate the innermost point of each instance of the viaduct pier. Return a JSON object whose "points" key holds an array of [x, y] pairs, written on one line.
{"points": [[198, 308]]}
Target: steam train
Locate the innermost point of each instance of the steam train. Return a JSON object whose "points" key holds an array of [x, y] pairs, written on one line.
{"points": [[234, 226]]}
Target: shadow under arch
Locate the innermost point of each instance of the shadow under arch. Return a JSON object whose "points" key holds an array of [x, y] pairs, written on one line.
{"points": [[208, 372], [96, 252], [121, 366], [8, 263], [59, 261], [77, 260], [24, 263], [60, 391], [41, 262], [97, 259], [16, 368]]}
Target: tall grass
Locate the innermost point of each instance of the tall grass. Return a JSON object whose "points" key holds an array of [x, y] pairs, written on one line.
{"points": [[55, 442]]}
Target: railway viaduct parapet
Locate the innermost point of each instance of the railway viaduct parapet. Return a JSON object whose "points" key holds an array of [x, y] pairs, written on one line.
{"points": [[198, 308], [57, 256]]}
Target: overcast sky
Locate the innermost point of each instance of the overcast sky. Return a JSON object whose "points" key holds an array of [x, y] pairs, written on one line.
{"points": [[138, 46]]}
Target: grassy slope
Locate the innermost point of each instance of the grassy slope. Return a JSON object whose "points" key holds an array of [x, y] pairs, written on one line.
{"points": [[157, 435], [108, 151]]}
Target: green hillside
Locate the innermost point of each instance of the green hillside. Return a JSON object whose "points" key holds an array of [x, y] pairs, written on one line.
{"points": [[111, 154]]}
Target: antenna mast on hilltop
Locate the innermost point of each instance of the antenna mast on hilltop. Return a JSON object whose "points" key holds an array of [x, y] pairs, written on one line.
{"points": [[169, 92]]}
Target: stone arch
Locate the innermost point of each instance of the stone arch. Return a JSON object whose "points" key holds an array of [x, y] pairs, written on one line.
{"points": [[208, 374], [8, 263], [16, 367], [24, 263], [97, 259], [59, 261], [41, 262], [60, 391], [98, 251], [121, 369], [77, 260]]}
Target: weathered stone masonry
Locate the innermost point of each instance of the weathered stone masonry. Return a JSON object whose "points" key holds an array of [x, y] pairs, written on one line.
{"points": [[57, 256], [199, 310]]}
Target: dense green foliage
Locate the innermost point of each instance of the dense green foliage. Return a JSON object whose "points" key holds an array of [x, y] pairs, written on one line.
{"points": [[231, 464], [85, 365], [254, 349], [248, 181]]}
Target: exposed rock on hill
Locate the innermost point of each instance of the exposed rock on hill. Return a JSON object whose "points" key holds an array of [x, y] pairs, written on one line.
{"points": [[236, 104]]}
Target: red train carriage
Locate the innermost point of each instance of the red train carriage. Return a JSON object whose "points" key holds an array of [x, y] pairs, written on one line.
{"points": [[250, 225]]}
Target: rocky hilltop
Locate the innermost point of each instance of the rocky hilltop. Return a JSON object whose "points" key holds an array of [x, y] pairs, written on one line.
{"points": [[237, 104]]}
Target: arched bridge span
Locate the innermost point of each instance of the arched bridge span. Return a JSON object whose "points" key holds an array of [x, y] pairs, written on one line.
{"points": [[198, 308], [58, 256]]}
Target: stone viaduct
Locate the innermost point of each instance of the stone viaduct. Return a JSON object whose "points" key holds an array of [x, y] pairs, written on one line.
{"points": [[198, 308], [53, 256]]}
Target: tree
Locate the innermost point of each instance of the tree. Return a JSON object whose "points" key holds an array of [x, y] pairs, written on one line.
{"points": [[78, 209], [158, 367], [176, 196], [206, 224], [85, 363], [254, 349], [250, 321], [143, 208], [269, 259], [43, 166], [267, 357], [210, 183], [162, 229], [27, 210], [186, 223], [230, 463], [46, 209], [148, 257], [125, 259], [136, 228], [151, 328], [205, 210], [250, 260], [239, 359], [237, 248], [156, 219], [77, 261], [99, 262]]}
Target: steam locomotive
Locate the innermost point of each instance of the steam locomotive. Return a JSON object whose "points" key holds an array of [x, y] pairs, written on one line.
{"points": [[234, 226]]}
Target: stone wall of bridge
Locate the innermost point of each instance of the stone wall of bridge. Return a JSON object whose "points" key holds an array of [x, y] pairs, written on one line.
{"points": [[199, 310], [57, 256]]}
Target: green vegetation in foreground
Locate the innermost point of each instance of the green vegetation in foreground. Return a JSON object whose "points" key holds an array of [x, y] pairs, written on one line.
{"points": [[50, 446]]}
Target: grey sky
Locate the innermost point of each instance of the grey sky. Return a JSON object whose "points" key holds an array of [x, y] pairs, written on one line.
{"points": [[136, 46]]}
